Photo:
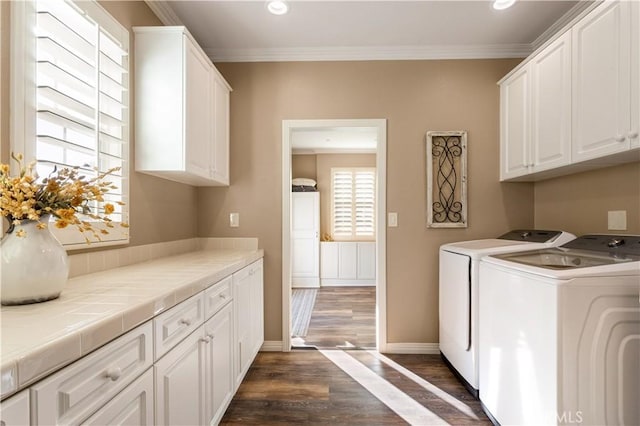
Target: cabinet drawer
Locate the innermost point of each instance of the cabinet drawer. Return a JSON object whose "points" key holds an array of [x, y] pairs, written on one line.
{"points": [[15, 410], [132, 406], [217, 296], [177, 323], [74, 393]]}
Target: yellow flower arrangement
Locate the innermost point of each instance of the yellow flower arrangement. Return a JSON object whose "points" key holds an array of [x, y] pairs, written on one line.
{"points": [[65, 194]]}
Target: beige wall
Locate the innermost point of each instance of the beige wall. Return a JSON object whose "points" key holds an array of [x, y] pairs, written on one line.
{"points": [[160, 210], [414, 96], [303, 166], [324, 164], [579, 203]]}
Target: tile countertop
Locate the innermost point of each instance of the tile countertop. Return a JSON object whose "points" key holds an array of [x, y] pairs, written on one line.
{"points": [[93, 309]]}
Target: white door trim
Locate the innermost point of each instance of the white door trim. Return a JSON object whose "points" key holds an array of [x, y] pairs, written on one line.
{"points": [[288, 126]]}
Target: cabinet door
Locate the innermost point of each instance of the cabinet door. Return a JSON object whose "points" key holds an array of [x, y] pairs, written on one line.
{"points": [[242, 323], [601, 83], [329, 260], [180, 379], [367, 261], [551, 105], [15, 410], [305, 239], [220, 150], [257, 306], [132, 406], [348, 261], [198, 111], [219, 372], [514, 125]]}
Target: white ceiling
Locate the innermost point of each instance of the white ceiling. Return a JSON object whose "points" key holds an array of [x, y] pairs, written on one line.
{"points": [[239, 30]]}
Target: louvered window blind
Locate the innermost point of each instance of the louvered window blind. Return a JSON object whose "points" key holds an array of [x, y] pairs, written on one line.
{"points": [[78, 112], [353, 203]]}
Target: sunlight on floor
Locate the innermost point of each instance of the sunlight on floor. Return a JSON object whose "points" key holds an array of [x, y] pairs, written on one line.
{"points": [[459, 405], [402, 404]]}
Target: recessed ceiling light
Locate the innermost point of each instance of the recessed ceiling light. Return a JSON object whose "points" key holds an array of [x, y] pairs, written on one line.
{"points": [[503, 4], [278, 7]]}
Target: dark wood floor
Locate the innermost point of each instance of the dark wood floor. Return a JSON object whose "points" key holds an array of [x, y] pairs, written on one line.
{"points": [[341, 383], [343, 317], [304, 386]]}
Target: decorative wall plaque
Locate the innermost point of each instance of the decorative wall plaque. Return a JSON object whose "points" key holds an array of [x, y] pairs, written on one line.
{"points": [[447, 179]]}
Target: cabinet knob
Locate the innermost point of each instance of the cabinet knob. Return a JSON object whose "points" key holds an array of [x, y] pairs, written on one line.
{"points": [[632, 135], [204, 339], [211, 336], [185, 321], [113, 373], [620, 138], [223, 296]]}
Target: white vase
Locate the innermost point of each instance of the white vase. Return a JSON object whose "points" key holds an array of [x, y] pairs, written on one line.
{"points": [[35, 267]]}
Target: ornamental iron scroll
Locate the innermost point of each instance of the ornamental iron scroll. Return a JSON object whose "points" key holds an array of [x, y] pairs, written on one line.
{"points": [[447, 179]]}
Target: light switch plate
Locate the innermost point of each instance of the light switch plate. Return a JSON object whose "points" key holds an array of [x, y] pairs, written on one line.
{"points": [[617, 220], [234, 220], [392, 219]]}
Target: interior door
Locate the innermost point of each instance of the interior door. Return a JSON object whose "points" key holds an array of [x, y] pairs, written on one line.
{"points": [[305, 239]]}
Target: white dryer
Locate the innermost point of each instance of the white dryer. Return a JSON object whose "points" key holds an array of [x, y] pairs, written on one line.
{"points": [[458, 296], [560, 333]]}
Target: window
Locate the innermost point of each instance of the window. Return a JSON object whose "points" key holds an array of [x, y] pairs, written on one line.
{"points": [[70, 96], [353, 203]]}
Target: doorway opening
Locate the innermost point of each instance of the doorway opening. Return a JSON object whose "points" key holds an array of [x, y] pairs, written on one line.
{"points": [[344, 276]]}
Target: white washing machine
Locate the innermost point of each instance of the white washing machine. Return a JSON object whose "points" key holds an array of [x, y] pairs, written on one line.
{"points": [[458, 296], [560, 333]]}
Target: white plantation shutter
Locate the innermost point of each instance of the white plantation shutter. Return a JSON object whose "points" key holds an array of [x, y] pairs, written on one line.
{"points": [[353, 203], [77, 111]]}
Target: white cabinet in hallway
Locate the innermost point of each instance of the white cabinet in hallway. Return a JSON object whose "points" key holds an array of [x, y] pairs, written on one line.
{"points": [[346, 263], [305, 239]]}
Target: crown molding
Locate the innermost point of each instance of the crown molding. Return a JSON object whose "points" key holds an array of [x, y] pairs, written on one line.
{"points": [[369, 53], [164, 12], [565, 21]]}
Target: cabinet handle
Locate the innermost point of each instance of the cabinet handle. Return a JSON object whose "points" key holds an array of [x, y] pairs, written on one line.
{"points": [[113, 373], [204, 339], [632, 135], [211, 336], [620, 138], [223, 296], [185, 321]]}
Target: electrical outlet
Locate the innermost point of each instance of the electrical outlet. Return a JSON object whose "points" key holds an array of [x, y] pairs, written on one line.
{"points": [[617, 220]]}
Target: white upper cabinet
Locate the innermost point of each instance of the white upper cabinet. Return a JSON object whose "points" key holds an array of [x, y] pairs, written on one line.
{"points": [[574, 105], [551, 105], [602, 82], [535, 108], [182, 109], [515, 100]]}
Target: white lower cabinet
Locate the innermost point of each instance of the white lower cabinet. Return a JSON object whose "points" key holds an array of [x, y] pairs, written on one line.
{"points": [[219, 385], [132, 406], [14, 411], [204, 346], [180, 380], [249, 322], [74, 393]]}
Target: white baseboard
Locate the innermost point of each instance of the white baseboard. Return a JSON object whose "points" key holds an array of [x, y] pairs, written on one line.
{"points": [[412, 348], [305, 282], [271, 346], [331, 282]]}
